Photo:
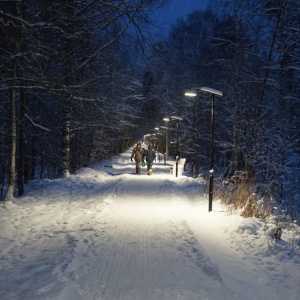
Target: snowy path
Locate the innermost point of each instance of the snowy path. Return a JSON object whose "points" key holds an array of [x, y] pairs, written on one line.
{"points": [[148, 251], [112, 235]]}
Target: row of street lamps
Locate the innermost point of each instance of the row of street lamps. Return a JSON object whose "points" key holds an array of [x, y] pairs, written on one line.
{"points": [[193, 93], [167, 119], [166, 128]]}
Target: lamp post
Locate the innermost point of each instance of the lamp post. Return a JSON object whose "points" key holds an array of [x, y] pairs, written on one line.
{"points": [[154, 141], [213, 92], [159, 135], [177, 131], [167, 119], [177, 144], [166, 145]]}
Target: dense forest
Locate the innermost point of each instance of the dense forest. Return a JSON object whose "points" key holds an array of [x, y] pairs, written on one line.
{"points": [[82, 81]]}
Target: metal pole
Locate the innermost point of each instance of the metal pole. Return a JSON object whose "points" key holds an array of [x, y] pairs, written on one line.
{"points": [[177, 137], [177, 154], [211, 171], [165, 154], [167, 146], [195, 164]]}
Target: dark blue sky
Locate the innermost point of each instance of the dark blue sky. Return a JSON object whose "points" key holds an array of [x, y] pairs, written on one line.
{"points": [[176, 9]]}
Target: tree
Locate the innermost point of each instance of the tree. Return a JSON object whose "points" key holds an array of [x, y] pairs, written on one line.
{"points": [[60, 50]]}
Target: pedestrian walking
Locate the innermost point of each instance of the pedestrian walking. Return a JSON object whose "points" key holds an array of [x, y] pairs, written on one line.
{"points": [[137, 154], [150, 157]]}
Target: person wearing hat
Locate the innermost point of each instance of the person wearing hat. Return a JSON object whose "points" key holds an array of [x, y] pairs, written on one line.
{"points": [[137, 154]]}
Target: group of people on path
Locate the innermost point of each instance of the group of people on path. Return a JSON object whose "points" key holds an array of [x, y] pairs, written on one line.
{"points": [[139, 154]]}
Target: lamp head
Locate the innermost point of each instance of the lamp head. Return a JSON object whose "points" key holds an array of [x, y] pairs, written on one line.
{"points": [[176, 118], [190, 93], [211, 91]]}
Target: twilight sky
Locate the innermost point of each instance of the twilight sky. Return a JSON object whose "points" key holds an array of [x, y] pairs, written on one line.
{"points": [[176, 9]]}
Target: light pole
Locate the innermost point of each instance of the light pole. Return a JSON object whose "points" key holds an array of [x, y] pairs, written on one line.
{"points": [[154, 141], [159, 145], [213, 92], [177, 131], [166, 145], [167, 119]]}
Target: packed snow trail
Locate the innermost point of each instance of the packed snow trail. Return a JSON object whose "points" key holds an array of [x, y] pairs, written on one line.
{"points": [[147, 249], [108, 234]]}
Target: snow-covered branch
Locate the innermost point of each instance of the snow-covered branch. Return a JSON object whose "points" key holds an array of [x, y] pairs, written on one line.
{"points": [[35, 124]]}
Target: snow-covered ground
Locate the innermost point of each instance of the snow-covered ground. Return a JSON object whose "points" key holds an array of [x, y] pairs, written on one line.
{"points": [[106, 233]]}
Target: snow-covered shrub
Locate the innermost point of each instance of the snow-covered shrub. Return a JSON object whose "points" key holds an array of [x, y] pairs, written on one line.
{"points": [[250, 209]]}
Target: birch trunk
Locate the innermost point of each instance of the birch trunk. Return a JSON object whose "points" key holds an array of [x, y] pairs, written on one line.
{"points": [[13, 132]]}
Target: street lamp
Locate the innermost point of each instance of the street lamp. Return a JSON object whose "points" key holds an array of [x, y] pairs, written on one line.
{"points": [[213, 92], [167, 119], [166, 145], [177, 144], [177, 130]]}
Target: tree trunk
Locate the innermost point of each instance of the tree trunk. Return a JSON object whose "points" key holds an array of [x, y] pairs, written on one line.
{"points": [[13, 130], [21, 145], [66, 141], [68, 101]]}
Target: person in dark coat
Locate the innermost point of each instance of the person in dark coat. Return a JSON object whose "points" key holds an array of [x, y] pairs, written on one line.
{"points": [[150, 157], [137, 154]]}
